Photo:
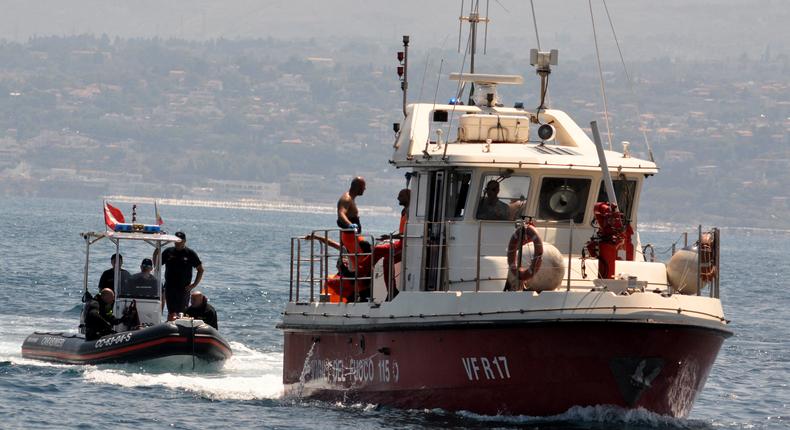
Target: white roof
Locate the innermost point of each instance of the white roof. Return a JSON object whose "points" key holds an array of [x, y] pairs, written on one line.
{"points": [[571, 149], [155, 237]]}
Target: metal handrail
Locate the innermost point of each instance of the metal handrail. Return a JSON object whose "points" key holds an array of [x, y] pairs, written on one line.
{"points": [[320, 256]]}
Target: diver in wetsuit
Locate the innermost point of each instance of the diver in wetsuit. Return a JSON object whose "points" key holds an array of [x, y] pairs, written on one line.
{"points": [[99, 320], [201, 309]]}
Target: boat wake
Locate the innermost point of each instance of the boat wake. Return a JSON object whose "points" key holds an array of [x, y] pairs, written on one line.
{"points": [[595, 417], [17, 328], [248, 375]]}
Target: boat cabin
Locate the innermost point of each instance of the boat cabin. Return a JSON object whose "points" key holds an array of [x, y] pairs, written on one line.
{"points": [[145, 296], [476, 173], [499, 165]]}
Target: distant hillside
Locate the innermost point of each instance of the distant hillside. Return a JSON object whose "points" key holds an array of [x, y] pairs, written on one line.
{"points": [[295, 119]]}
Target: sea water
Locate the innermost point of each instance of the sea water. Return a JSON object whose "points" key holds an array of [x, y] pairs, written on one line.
{"points": [[246, 257]]}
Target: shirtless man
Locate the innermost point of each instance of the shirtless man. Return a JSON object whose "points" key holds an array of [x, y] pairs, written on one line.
{"points": [[347, 212]]}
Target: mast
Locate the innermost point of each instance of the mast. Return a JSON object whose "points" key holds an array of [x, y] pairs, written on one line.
{"points": [[473, 19], [403, 71]]}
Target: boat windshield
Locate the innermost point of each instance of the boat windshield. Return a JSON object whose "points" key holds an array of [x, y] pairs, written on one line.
{"points": [[625, 190], [457, 194], [503, 198]]}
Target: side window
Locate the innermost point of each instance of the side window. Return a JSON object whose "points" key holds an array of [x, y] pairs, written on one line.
{"points": [[503, 197], [457, 192], [563, 199], [625, 190]]}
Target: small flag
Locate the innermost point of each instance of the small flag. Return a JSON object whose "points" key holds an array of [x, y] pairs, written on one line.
{"points": [[112, 216], [159, 220]]}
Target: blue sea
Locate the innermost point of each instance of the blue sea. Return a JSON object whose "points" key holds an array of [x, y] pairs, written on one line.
{"points": [[245, 254]]}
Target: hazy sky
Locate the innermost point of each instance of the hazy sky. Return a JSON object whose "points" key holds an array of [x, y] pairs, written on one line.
{"points": [[701, 28]]}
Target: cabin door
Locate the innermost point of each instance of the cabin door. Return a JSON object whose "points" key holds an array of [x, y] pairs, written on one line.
{"points": [[434, 240]]}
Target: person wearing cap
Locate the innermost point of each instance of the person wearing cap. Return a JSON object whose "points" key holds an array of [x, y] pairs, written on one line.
{"points": [[200, 308], [143, 283], [108, 276], [179, 260]]}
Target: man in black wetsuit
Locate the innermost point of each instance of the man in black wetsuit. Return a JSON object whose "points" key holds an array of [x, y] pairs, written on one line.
{"points": [[179, 262], [202, 310], [99, 320], [107, 278]]}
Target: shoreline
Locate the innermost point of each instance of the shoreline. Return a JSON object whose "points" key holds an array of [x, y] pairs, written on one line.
{"points": [[250, 204]]}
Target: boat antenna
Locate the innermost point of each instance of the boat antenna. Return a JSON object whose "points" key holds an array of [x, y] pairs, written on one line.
{"points": [[485, 33], [403, 70], [630, 84], [429, 64], [435, 94], [473, 19], [535, 23], [600, 74]]}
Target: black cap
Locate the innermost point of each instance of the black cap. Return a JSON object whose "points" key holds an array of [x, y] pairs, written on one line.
{"points": [[181, 235], [147, 263]]}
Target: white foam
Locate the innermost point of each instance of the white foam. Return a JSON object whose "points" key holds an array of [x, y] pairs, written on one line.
{"points": [[592, 414], [17, 328], [212, 387], [248, 375]]}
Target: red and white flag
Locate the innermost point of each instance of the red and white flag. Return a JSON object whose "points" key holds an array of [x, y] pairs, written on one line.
{"points": [[112, 216], [159, 220]]}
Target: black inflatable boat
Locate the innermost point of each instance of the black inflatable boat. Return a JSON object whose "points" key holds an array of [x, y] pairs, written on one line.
{"points": [[181, 340], [178, 344]]}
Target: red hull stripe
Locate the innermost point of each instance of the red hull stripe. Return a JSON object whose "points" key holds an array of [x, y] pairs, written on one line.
{"points": [[119, 351]]}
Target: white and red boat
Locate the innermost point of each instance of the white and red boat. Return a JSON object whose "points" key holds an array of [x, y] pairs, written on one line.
{"points": [[475, 320]]}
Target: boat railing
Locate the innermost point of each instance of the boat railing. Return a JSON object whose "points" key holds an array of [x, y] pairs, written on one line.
{"points": [[444, 271], [439, 241], [312, 257], [708, 270]]}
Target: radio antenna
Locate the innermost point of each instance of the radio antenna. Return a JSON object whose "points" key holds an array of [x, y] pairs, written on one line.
{"points": [[473, 19], [485, 34]]}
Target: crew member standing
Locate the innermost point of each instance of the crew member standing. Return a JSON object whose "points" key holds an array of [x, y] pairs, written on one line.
{"points": [[179, 260], [107, 279], [347, 212]]}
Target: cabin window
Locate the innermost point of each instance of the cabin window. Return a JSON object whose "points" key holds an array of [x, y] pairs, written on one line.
{"points": [[625, 190], [563, 199], [457, 194], [503, 198], [421, 186]]}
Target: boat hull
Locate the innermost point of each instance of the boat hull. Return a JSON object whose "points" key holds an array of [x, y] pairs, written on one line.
{"points": [[156, 342], [537, 369]]}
